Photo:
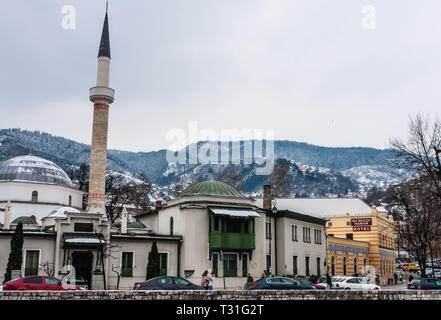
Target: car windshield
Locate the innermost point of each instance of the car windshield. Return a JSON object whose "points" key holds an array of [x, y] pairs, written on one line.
{"points": [[182, 281], [166, 280], [290, 281], [415, 282]]}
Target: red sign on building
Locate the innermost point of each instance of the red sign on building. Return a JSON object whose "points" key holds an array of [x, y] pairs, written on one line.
{"points": [[361, 224]]}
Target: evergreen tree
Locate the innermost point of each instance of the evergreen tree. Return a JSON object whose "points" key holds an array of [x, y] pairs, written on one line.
{"points": [[16, 253], [153, 262]]}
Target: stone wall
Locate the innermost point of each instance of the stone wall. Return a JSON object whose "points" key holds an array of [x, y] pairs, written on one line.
{"points": [[221, 295]]}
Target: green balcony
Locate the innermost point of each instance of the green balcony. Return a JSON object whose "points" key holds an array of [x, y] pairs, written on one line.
{"points": [[231, 241]]}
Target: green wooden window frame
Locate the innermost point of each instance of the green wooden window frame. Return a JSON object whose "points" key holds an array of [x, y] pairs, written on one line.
{"points": [[230, 265], [215, 263], [244, 265], [163, 261], [31, 264], [127, 264]]}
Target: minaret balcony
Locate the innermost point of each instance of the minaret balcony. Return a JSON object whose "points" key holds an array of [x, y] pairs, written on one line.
{"points": [[102, 94]]}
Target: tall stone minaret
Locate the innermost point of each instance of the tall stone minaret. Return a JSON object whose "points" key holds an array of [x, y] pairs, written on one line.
{"points": [[101, 96]]}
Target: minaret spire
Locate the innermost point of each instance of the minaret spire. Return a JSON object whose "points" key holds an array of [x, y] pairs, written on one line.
{"points": [[102, 96], [104, 50]]}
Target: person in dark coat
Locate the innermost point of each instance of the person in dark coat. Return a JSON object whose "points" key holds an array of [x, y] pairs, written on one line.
{"points": [[328, 282], [249, 278]]}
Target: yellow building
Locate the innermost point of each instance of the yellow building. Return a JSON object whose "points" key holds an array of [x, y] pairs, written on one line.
{"points": [[375, 229], [346, 256]]}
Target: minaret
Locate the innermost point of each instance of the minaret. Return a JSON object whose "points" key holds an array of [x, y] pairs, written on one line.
{"points": [[101, 96]]}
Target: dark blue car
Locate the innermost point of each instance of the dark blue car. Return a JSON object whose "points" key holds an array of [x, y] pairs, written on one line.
{"points": [[278, 283], [425, 284]]}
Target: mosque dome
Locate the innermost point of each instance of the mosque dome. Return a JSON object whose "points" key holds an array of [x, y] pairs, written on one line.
{"points": [[25, 220], [211, 188], [33, 169]]}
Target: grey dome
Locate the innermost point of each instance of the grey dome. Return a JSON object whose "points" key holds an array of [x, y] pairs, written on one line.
{"points": [[33, 169]]}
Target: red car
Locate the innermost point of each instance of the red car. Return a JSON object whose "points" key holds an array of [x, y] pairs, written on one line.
{"points": [[39, 283]]}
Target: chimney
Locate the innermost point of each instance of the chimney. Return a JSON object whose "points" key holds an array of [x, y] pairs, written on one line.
{"points": [[267, 196], [158, 204], [124, 219], [7, 221], [374, 211]]}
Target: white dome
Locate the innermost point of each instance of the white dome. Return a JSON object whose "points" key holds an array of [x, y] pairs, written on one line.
{"points": [[33, 169], [61, 212]]}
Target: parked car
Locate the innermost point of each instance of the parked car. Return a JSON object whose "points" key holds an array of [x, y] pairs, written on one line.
{"points": [[413, 285], [78, 281], [355, 283], [425, 284], [278, 283], [38, 283], [308, 285], [166, 283]]}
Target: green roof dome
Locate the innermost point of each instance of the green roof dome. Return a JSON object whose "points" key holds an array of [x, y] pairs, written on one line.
{"points": [[25, 220], [211, 188]]}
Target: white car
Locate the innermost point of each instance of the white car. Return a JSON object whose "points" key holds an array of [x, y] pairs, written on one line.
{"points": [[354, 283]]}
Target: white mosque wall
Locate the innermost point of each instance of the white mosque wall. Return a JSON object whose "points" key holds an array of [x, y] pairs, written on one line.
{"points": [[50, 197]]}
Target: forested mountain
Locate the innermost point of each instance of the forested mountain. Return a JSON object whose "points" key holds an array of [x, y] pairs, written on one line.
{"points": [[314, 170]]}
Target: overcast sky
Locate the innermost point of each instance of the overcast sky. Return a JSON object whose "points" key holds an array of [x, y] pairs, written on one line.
{"points": [[304, 68]]}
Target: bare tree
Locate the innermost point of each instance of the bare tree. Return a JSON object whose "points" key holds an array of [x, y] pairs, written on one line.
{"points": [[231, 175], [419, 197], [47, 267], [120, 193], [420, 155], [177, 186], [419, 221]]}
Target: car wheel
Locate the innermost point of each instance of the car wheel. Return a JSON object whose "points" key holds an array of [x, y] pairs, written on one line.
{"points": [[347, 288]]}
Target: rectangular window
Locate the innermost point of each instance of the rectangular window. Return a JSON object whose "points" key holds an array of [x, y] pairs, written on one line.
{"points": [[127, 264], [246, 226], [216, 224], [83, 227], [163, 257], [233, 226], [329, 224], [244, 265], [318, 266], [31, 263], [317, 236], [215, 264], [230, 265], [306, 234], [307, 266], [294, 233], [268, 264], [350, 236], [294, 265]]}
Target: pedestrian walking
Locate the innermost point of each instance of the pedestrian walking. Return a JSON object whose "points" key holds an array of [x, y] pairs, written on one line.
{"points": [[410, 278], [249, 278], [210, 279], [205, 281], [395, 277], [328, 282]]}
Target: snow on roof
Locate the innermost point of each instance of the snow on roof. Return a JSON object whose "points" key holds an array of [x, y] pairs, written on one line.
{"points": [[33, 169], [322, 207], [61, 212]]}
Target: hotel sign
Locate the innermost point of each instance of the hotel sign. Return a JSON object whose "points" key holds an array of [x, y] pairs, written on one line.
{"points": [[361, 224]]}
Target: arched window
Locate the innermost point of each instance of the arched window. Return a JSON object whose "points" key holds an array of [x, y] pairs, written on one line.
{"points": [[34, 196], [171, 225], [332, 265], [70, 201], [355, 266], [364, 266], [344, 266]]}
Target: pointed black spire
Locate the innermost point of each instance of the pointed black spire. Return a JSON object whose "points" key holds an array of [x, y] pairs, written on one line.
{"points": [[104, 50]]}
